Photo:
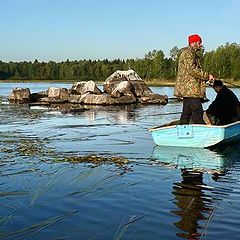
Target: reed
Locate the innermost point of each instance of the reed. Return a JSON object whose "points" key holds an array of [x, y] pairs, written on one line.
{"points": [[160, 82], [31, 230], [122, 229]]}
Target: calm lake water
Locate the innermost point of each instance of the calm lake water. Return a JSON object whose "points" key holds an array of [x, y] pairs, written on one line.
{"points": [[158, 194]]}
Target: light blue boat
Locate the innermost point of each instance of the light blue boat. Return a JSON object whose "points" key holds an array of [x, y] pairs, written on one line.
{"points": [[195, 135]]}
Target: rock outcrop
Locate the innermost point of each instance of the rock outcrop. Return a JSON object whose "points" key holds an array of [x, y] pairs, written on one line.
{"points": [[129, 83], [138, 86], [20, 95], [122, 87], [80, 88]]}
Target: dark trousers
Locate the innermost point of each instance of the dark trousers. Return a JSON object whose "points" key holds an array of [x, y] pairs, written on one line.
{"points": [[192, 109]]}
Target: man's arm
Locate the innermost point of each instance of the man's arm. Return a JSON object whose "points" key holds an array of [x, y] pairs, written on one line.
{"points": [[214, 107], [192, 69]]}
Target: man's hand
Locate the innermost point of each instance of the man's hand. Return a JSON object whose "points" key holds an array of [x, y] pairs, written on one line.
{"points": [[211, 78]]}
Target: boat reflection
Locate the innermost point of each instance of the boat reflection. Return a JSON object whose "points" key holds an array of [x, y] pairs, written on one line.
{"points": [[196, 159], [195, 200]]}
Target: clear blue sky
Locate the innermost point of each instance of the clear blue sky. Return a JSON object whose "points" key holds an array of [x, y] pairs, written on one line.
{"points": [[98, 29]]}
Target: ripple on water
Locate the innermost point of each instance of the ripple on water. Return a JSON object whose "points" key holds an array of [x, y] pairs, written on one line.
{"points": [[152, 198]]}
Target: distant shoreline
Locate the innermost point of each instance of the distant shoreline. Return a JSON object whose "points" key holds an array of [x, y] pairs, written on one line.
{"points": [[151, 83]]}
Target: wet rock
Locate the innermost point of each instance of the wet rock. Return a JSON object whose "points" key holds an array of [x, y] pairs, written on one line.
{"points": [[122, 100], [154, 98], [77, 88], [121, 88], [21, 95], [94, 99], [138, 87], [52, 100], [58, 93], [124, 88], [105, 99], [141, 88], [74, 98], [119, 76], [80, 88], [35, 96]]}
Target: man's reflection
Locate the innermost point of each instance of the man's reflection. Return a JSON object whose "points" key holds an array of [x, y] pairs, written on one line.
{"points": [[189, 198], [194, 204]]}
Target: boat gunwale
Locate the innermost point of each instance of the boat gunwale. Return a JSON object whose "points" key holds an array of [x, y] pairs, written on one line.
{"points": [[197, 125]]}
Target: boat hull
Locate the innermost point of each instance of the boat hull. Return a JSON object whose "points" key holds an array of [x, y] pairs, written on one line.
{"points": [[196, 135]]}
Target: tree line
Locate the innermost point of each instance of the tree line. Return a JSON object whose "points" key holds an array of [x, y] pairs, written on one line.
{"points": [[224, 62]]}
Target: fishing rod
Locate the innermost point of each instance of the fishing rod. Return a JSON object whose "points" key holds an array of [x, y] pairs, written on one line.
{"points": [[174, 98], [234, 85], [210, 83], [163, 114]]}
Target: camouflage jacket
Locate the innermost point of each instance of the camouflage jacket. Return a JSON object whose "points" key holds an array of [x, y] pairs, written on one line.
{"points": [[190, 76]]}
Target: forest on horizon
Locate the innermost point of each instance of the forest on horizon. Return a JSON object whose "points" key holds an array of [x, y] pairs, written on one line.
{"points": [[224, 63]]}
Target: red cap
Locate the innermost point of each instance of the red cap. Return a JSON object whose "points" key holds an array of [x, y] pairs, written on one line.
{"points": [[194, 38]]}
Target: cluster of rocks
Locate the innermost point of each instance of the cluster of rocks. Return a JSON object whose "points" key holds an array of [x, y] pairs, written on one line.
{"points": [[122, 87]]}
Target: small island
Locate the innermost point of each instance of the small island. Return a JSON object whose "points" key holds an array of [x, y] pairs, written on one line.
{"points": [[121, 87]]}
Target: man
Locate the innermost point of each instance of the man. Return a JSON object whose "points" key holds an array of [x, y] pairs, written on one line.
{"points": [[226, 106], [190, 83]]}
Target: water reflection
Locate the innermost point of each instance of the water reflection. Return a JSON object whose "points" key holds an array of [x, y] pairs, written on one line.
{"points": [[195, 200], [40, 190], [200, 159], [189, 198], [113, 114], [120, 114]]}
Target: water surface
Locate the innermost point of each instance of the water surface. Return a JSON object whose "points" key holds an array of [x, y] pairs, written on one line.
{"points": [[161, 193]]}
